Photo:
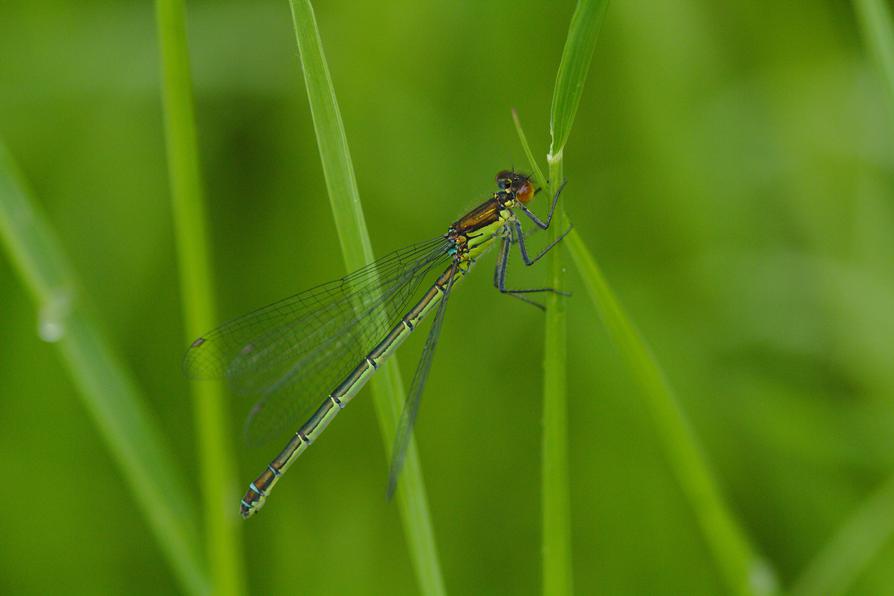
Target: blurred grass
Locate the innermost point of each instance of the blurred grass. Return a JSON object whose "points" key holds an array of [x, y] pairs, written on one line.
{"points": [[388, 392], [219, 492], [732, 172], [743, 571], [109, 394], [877, 29], [839, 564]]}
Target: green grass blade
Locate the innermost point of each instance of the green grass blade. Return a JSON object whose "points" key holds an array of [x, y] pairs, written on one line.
{"points": [[582, 35], [387, 387], [856, 543], [743, 571], [572, 73], [538, 173], [109, 393], [874, 17], [868, 531], [557, 568], [222, 530]]}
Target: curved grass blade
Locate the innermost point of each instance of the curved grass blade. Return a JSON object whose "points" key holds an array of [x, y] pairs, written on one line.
{"points": [[877, 29], [741, 568], [351, 227], [856, 543], [131, 434], [411, 407], [743, 571], [573, 68], [535, 168], [867, 532]]}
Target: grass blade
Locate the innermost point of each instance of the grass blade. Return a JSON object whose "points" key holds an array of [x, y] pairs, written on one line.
{"points": [[874, 17], [856, 543], [110, 396], [387, 387], [582, 35], [742, 570], [868, 531], [557, 568], [572, 73], [222, 538], [535, 168]]}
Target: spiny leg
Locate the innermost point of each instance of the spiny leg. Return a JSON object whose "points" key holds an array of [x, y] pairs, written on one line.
{"points": [[500, 274], [500, 277], [524, 249]]}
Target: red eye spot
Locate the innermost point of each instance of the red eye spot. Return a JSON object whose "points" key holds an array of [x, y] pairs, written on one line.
{"points": [[525, 193]]}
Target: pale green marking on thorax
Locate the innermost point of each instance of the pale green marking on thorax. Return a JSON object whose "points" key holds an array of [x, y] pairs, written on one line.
{"points": [[483, 237]]}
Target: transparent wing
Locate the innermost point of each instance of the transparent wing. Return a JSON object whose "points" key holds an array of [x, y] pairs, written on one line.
{"points": [[414, 397], [292, 353]]}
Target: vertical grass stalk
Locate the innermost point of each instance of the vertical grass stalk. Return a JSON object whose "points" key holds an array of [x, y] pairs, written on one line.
{"points": [[131, 435], [219, 489], [387, 387], [557, 567], [583, 31], [743, 572]]}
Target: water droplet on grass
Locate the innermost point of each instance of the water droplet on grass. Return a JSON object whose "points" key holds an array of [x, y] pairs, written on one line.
{"points": [[53, 314]]}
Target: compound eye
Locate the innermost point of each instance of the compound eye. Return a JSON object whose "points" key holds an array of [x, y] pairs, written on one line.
{"points": [[525, 192], [504, 179]]}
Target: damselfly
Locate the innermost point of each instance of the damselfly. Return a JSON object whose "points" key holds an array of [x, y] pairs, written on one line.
{"points": [[326, 343]]}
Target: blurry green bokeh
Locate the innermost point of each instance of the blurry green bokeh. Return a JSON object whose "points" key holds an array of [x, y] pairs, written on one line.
{"points": [[730, 167]]}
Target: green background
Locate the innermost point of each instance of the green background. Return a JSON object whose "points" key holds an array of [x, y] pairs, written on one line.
{"points": [[730, 167]]}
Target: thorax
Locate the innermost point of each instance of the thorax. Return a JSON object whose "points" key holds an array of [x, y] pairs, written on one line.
{"points": [[476, 230]]}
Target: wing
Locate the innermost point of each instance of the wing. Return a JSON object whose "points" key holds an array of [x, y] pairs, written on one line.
{"points": [[291, 353], [411, 406]]}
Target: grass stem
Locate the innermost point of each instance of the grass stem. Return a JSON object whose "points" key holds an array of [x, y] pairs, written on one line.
{"points": [[742, 571], [868, 531], [131, 435], [877, 29], [557, 567], [219, 488], [583, 31], [859, 540], [387, 386]]}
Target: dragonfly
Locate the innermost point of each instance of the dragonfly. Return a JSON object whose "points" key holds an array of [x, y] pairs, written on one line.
{"points": [[306, 357]]}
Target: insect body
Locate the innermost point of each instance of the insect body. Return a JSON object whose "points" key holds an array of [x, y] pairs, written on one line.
{"points": [[307, 356]]}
